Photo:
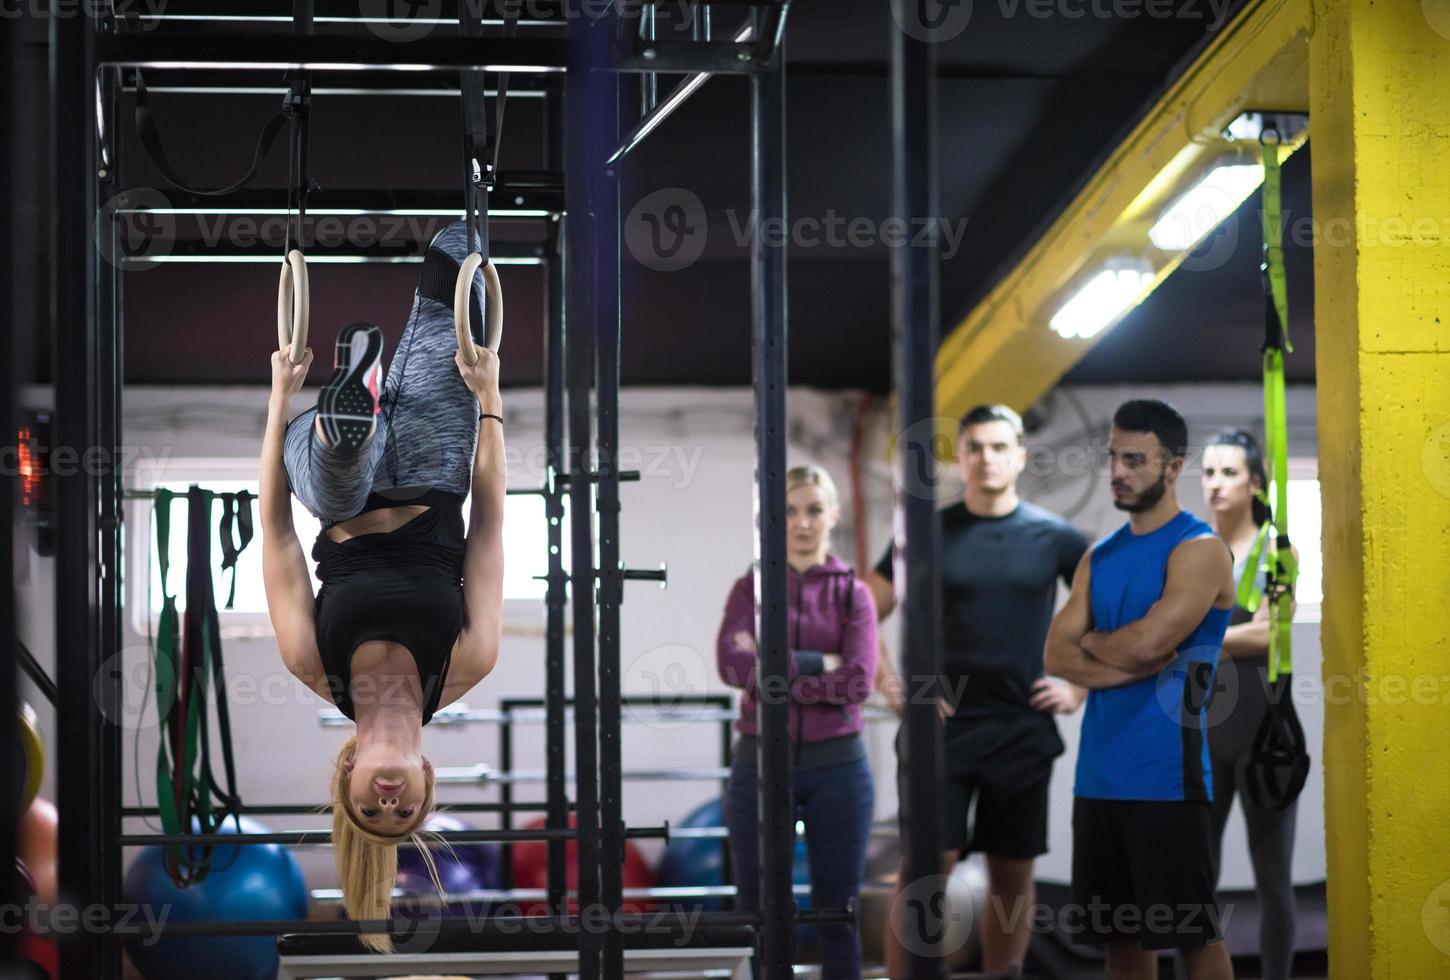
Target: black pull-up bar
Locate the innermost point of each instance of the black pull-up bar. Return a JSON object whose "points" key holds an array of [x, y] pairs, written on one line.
{"points": [[314, 809], [318, 838], [539, 928], [320, 52]]}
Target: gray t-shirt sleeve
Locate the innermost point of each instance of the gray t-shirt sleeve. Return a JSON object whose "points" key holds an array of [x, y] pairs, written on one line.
{"points": [[1071, 547]]}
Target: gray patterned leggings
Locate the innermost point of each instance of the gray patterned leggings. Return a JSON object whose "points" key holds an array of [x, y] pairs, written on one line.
{"points": [[426, 432], [1270, 832]]}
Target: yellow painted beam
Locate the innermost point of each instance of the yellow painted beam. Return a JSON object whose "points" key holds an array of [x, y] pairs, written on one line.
{"points": [[1003, 350], [1380, 107]]}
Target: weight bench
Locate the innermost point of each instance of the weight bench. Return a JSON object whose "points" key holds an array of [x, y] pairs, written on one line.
{"points": [[491, 953]]}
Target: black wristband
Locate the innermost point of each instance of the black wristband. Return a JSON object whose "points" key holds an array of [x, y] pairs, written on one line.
{"points": [[485, 415], [808, 662]]}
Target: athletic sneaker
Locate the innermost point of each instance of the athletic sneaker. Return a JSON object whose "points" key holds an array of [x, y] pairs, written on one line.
{"points": [[349, 403]]}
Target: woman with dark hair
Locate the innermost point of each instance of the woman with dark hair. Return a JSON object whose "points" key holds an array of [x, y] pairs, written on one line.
{"points": [[1233, 478], [408, 617]]}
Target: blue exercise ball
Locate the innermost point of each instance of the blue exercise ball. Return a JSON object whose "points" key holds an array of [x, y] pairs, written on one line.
{"points": [[698, 861], [255, 882], [800, 874]]}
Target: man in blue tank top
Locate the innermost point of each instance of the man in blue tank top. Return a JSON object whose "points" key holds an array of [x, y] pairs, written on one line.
{"points": [[1142, 632]]}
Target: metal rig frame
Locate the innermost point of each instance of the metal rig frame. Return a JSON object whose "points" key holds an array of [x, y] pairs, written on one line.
{"points": [[589, 139]]}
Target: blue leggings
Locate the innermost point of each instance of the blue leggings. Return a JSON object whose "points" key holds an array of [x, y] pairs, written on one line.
{"points": [[836, 803], [426, 432]]}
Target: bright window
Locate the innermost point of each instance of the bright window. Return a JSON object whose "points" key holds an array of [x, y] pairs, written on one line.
{"points": [[1304, 531], [251, 596], [526, 546]]}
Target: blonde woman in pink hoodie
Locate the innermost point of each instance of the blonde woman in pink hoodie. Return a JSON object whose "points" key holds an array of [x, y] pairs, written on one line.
{"points": [[832, 631]]}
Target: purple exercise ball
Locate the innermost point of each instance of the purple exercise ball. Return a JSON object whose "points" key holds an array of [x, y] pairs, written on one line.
{"points": [[464, 868]]}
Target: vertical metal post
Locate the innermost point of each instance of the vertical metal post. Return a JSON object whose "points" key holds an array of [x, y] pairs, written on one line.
{"points": [[607, 90], [914, 318], [110, 370], [649, 83], [557, 598], [9, 380], [776, 941], [579, 174], [506, 790], [727, 731], [88, 786]]}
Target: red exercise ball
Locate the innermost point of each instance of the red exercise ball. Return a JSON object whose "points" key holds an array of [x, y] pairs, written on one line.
{"points": [[42, 952], [531, 870], [33, 948], [37, 840]]}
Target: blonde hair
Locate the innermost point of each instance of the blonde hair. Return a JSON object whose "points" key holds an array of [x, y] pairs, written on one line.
{"points": [[812, 475], [367, 862]]}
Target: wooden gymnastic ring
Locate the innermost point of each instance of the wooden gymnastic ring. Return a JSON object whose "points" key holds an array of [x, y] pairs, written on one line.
{"points": [[293, 307], [493, 306]]}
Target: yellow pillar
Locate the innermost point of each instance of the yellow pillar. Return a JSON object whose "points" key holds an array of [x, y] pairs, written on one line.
{"points": [[1380, 135]]}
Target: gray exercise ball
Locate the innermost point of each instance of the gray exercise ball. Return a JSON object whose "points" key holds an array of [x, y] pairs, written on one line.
{"points": [[966, 897]]}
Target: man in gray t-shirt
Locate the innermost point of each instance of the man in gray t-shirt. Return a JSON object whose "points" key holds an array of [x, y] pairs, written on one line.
{"points": [[1001, 560]]}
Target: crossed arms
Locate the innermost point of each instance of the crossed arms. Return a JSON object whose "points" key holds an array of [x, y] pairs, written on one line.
{"points": [[1199, 577]]}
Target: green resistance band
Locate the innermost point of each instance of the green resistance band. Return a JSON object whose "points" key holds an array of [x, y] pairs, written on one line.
{"points": [[184, 778], [172, 796]]}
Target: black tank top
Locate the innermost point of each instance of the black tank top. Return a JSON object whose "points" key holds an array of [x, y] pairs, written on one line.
{"points": [[404, 585]]}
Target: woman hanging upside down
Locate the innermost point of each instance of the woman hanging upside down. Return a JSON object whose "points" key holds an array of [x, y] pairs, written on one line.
{"points": [[408, 616]]}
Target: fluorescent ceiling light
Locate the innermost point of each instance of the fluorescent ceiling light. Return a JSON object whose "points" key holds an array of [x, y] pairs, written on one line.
{"points": [[311, 260], [342, 212], [280, 19], [1205, 206], [340, 66], [1248, 126], [325, 90], [1104, 298]]}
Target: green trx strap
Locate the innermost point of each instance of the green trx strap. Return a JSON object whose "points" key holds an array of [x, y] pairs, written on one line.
{"points": [[1272, 555], [1273, 267], [1251, 589]]}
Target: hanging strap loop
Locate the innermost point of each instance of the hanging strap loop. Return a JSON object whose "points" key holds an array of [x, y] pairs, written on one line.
{"points": [[150, 133], [482, 124], [294, 298], [236, 508]]}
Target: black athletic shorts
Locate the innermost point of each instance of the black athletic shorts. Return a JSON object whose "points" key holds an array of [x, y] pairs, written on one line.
{"points": [[1007, 823], [1142, 870]]}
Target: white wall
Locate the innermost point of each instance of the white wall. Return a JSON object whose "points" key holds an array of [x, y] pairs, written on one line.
{"points": [[692, 509]]}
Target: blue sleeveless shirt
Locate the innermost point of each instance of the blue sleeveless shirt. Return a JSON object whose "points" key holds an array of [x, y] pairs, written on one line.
{"points": [[1147, 740]]}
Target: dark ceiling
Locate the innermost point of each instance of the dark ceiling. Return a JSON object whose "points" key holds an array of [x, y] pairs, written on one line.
{"points": [[1028, 105]]}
